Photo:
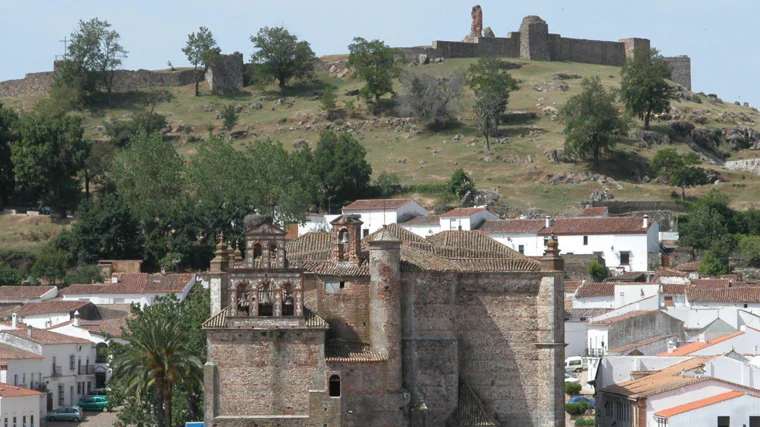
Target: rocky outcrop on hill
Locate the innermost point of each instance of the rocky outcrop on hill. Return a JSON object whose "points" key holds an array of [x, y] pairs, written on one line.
{"points": [[743, 137], [750, 166]]}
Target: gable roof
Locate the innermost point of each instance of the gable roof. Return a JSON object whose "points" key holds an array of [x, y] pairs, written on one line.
{"points": [[673, 289], [463, 212], [109, 326], [424, 220], [666, 379], [41, 336], [727, 295], [690, 348], [572, 285], [24, 292], [470, 244], [7, 390], [711, 283], [628, 276], [689, 267], [697, 404], [376, 204], [591, 226], [593, 211], [135, 283], [512, 226], [9, 352], [615, 319], [49, 307], [596, 289]]}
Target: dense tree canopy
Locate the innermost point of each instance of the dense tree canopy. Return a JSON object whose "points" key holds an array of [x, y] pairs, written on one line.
{"points": [[341, 167], [106, 230], [376, 64], [281, 55], [643, 88]]}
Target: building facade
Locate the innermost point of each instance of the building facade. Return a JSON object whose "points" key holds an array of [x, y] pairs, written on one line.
{"points": [[333, 329]]}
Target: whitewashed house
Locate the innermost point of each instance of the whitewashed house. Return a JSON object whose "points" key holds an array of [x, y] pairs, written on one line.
{"points": [[316, 222], [25, 294], [48, 313], [139, 288], [423, 225], [518, 234], [374, 213], [738, 297], [595, 212], [466, 218], [22, 368], [19, 406]]}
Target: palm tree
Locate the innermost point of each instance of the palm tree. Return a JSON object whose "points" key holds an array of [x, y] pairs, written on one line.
{"points": [[158, 357]]}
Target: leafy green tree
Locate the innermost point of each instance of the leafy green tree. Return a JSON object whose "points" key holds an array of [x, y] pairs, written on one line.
{"points": [[229, 117], [592, 123], [201, 51], [749, 247], [680, 171], [10, 276], [281, 55], [492, 84], [158, 359], [704, 226], [106, 230], [643, 88], [170, 261], [97, 163], [461, 183], [121, 132], [96, 50], [713, 264], [73, 86], [50, 265], [49, 156], [341, 167], [8, 133], [85, 274], [328, 102], [375, 63], [149, 177], [596, 270], [387, 183]]}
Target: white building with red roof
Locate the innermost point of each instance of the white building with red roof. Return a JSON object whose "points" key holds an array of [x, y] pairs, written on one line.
{"points": [[374, 213], [132, 288], [25, 294], [19, 406], [52, 312]]}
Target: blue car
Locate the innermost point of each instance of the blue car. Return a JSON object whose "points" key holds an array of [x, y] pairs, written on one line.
{"points": [[67, 413], [582, 399]]}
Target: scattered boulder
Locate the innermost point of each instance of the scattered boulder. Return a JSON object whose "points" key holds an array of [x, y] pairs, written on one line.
{"points": [[256, 106], [302, 143], [352, 92], [558, 155], [687, 95], [238, 108], [703, 141], [648, 138], [565, 76], [557, 85], [511, 66], [423, 59], [238, 134], [550, 111], [438, 60], [742, 137], [682, 129], [601, 196]]}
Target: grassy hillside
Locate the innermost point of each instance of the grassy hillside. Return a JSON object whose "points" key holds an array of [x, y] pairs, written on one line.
{"points": [[518, 167]]}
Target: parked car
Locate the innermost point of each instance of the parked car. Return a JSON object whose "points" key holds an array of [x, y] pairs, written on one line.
{"points": [[576, 363], [569, 378], [97, 392], [582, 399], [94, 403], [66, 413]]}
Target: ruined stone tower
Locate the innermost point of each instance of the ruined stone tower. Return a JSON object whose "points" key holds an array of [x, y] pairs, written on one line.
{"points": [[534, 39]]}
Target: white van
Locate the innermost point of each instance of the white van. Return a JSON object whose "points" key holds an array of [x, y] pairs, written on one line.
{"points": [[576, 364]]}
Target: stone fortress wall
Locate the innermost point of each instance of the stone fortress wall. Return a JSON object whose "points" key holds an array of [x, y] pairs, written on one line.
{"points": [[534, 42]]}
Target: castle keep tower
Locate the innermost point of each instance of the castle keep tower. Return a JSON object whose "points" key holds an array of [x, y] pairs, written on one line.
{"points": [[534, 39]]}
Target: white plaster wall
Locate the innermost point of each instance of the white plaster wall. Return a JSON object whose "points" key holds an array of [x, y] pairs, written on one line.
{"points": [[742, 344], [69, 377], [575, 338], [594, 302], [739, 409], [629, 294], [533, 243], [598, 337], [610, 245], [684, 395], [617, 369], [720, 305], [107, 299], [423, 230], [375, 219], [735, 371], [22, 406], [24, 369], [43, 321], [477, 219]]}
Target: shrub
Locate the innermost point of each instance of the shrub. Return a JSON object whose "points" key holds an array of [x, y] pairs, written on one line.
{"points": [[229, 116], [572, 388], [576, 408], [589, 422], [596, 270], [431, 99], [9, 275], [461, 183], [387, 183], [329, 102]]}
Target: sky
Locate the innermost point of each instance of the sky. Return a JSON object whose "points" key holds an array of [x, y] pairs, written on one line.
{"points": [[719, 36]]}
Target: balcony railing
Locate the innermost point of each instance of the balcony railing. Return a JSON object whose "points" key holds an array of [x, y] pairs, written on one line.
{"points": [[595, 352], [57, 370], [86, 370]]}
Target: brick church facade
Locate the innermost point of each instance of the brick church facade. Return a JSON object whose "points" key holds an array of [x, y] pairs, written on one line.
{"points": [[389, 330]]}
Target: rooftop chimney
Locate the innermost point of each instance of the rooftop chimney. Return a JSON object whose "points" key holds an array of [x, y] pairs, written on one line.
{"points": [[646, 221], [14, 322], [548, 221], [115, 278], [4, 372], [671, 346], [76, 318], [29, 331]]}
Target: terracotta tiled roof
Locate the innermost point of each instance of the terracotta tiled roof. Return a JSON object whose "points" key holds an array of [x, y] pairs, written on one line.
{"points": [[168, 282], [512, 226], [598, 211], [335, 268], [338, 351], [572, 285], [628, 276], [311, 246], [729, 295], [9, 352], [111, 327], [637, 344], [463, 212], [41, 336], [423, 220], [48, 307], [697, 404], [710, 283], [498, 264], [596, 289], [376, 204], [470, 244], [135, 283], [673, 289], [585, 312], [23, 292], [690, 348], [666, 379], [586, 226], [7, 390], [611, 320], [689, 267], [414, 259]]}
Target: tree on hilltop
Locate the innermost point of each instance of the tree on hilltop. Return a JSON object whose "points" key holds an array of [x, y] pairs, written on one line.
{"points": [[592, 123], [492, 85], [681, 171], [375, 63], [643, 88], [95, 49], [201, 50], [281, 55]]}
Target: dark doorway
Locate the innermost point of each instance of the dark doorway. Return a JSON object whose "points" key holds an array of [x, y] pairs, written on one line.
{"points": [[334, 386], [100, 379], [49, 401], [754, 421], [724, 421]]}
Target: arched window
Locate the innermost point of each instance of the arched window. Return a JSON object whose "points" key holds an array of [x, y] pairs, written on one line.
{"points": [[342, 243], [288, 301], [265, 300], [256, 250], [242, 297], [273, 250], [101, 353], [334, 386]]}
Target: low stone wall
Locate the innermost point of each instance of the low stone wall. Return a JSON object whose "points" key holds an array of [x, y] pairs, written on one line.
{"points": [[575, 266], [619, 207], [31, 84]]}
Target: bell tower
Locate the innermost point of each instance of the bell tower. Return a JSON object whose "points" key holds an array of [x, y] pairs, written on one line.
{"points": [[347, 239]]}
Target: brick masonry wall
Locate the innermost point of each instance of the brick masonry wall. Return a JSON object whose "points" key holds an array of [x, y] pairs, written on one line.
{"points": [[347, 312], [365, 400]]}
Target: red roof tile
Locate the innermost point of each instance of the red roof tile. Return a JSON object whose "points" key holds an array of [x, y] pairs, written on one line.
{"points": [[727, 295], [673, 289], [110, 326], [586, 226], [624, 316], [463, 212], [666, 379], [7, 391], [690, 348], [9, 352], [689, 267], [135, 283], [23, 292], [596, 289], [513, 226], [572, 285], [48, 307], [423, 220], [711, 283], [593, 211], [41, 336], [700, 404], [376, 204], [168, 282]]}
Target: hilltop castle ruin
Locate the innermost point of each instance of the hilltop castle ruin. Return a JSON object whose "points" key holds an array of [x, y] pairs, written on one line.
{"points": [[534, 42]]}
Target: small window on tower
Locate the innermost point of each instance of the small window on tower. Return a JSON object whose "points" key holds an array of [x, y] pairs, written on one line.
{"points": [[585, 240], [334, 386], [343, 285], [521, 249], [365, 232], [257, 250]]}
